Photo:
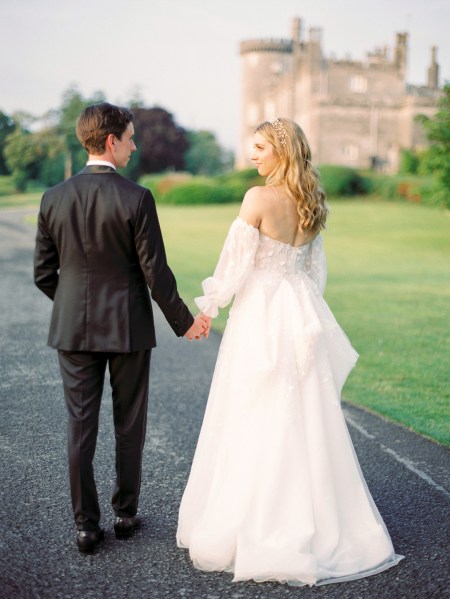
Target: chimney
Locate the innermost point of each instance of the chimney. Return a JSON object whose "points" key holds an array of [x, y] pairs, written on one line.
{"points": [[297, 30], [433, 70]]}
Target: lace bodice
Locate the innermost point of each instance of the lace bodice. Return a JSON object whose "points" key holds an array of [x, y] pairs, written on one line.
{"points": [[247, 249], [281, 257]]}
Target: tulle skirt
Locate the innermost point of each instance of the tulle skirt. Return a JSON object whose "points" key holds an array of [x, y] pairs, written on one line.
{"points": [[275, 490]]}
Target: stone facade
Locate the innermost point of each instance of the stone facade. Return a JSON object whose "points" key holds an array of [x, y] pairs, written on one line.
{"points": [[355, 113]]}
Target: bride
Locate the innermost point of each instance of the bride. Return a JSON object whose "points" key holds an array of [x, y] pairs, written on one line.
{"points": [[275, 490]]}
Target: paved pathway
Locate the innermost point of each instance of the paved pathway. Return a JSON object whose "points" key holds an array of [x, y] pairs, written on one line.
{"points": [[38, 557]]}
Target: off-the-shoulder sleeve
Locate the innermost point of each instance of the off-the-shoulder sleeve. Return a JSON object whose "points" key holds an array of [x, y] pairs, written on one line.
{"points": [[316, 265], [235, 262]]}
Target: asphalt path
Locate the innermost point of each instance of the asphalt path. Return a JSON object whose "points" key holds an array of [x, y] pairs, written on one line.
{"points": [[407, 474]]}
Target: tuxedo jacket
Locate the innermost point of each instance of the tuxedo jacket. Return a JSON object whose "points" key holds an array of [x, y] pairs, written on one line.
{"points": [[99, 249]]}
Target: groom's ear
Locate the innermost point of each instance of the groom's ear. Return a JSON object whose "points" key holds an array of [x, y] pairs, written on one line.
{"points": [[110, 140]]}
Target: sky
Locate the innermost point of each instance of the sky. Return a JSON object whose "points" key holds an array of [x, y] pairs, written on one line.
{"points": [[183, 55]]}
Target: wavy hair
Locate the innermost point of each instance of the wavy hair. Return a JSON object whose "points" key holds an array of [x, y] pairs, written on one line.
{"points": [[295, 172], [97, 121]]}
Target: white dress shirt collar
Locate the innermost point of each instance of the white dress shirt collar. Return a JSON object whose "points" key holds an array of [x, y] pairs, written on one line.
{"points": [[100, 163]]}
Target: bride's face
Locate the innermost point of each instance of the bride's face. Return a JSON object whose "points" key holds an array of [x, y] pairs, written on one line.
{"points": [[264, 155]]}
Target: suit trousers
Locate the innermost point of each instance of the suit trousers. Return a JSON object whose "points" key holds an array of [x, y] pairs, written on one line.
{"points": [[83, 375]]}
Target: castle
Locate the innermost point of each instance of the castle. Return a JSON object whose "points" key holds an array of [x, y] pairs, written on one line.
{"points": [[354, 113]]}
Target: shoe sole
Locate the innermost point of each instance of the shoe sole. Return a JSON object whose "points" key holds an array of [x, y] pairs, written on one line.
{"points": [[91, 548], [127, 534]]}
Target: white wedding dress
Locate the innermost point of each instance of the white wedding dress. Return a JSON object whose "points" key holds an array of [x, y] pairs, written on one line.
{"points": [[275, 490]]}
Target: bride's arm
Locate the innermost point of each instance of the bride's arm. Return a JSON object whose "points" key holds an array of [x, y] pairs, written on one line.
{"points": [[235, 263]]}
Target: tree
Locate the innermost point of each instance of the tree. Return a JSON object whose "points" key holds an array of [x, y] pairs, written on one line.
{"points": [[53, 152], [205, 156], [161, 143], [52, 164], [22, 153], [7, 126], [73, 104], [437, 129]]}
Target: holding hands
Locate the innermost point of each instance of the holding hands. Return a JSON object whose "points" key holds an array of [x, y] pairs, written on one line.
{"points": [[201, 327]]}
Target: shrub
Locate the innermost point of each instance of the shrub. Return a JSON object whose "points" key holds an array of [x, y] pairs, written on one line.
{"points": [[342, 181], [433, 193], [229, 187], [249, 176], [198, 192], [410, 188], [409, 162], [164, 182]]}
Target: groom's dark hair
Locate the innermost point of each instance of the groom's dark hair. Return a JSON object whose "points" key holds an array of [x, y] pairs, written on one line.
{"points": [[97, 121]]}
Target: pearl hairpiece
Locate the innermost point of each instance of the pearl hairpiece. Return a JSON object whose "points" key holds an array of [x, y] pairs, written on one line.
{"points": [[279, 130]]}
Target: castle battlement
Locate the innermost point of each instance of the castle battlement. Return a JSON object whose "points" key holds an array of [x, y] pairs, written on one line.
{"points": [[268, 45]]}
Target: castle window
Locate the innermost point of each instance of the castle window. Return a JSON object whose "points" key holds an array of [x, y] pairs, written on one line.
{"points": [[358, 84], [350, 151]]}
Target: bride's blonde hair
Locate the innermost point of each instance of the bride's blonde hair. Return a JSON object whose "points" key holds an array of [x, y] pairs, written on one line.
{"points": [[295, 171]]}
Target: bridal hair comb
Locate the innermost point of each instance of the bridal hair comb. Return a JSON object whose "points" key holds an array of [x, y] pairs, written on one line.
{"points": [[279, 130]]}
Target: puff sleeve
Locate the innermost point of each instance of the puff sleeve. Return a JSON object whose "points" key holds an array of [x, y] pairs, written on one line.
{"points": [[235, 262]]}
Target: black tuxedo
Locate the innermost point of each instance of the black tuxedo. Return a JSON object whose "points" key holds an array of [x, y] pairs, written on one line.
{"points": [[98, 246], [98, 249]]}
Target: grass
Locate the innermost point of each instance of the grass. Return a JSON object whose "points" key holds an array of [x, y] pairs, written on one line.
{"points": [[9, 198], [21, 200], [388, 286]]}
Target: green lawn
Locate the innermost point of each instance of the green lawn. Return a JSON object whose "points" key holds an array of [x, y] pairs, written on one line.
{"points": [[388, 286], [9, 198], [21, 200]]}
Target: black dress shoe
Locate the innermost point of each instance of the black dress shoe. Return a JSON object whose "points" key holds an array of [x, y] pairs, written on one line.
{"points": [[88, 539], [125, 527]]}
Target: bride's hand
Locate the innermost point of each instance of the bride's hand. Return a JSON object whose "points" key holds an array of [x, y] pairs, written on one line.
{"points": [[199, 328], [207, 324]]}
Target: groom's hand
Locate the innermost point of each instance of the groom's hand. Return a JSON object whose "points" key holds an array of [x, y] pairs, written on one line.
{"points": [[199, 328]]}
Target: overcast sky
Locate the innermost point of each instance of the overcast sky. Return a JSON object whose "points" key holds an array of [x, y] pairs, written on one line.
{"points": [[184, 54]]}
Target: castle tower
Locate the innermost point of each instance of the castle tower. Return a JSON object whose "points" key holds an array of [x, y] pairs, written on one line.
{"points": [[401, 54], [433, 70], [264, 62]]}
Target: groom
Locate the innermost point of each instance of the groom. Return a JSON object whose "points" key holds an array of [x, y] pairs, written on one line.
{"points": [[98, 249]]}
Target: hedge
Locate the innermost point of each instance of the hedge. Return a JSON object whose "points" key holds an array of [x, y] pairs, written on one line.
{"points": [[183, 188], [161, 183], [338, 181], [342, 181], [198, 192]]}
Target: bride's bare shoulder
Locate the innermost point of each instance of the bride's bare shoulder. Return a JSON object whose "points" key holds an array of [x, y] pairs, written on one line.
{"points": [[258, 191], [258, 194], [253, 205]]}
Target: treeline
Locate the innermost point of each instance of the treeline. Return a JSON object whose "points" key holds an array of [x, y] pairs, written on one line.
{"points": [[191, 167], [46, 149]]}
